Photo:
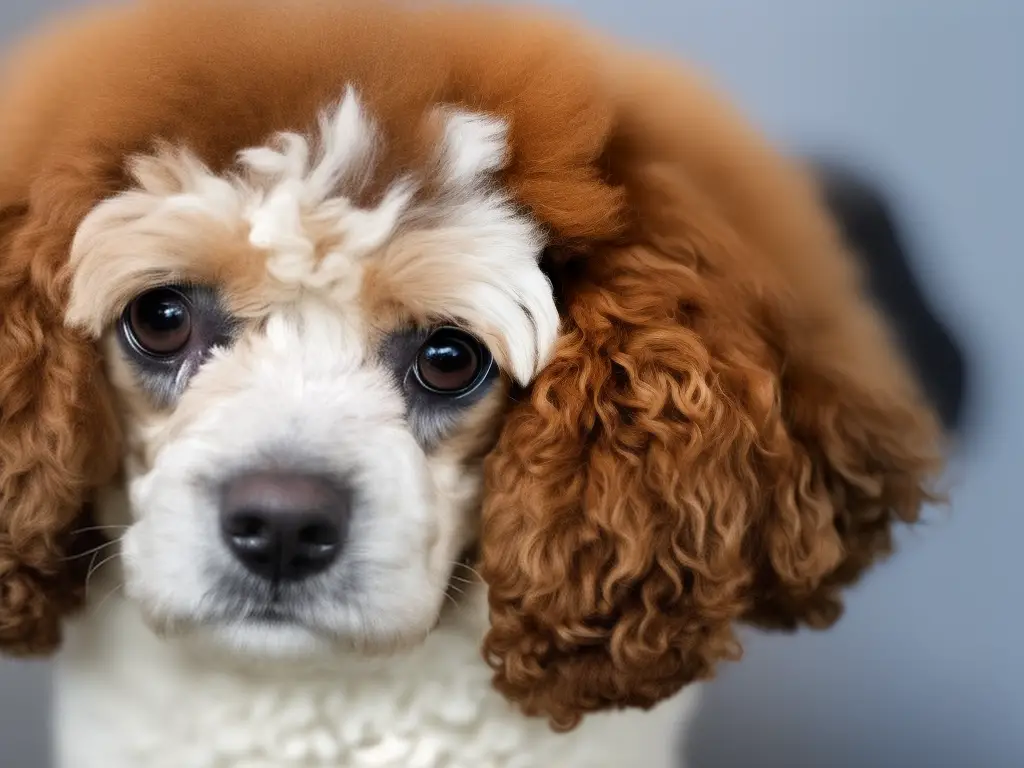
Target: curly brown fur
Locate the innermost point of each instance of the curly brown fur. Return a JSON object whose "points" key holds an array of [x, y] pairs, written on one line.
{"points": [[57, 434], [725, 433]]}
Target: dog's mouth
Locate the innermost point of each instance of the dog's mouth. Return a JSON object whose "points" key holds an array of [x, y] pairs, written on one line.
{"points": [[247, 601], [275, 613]]}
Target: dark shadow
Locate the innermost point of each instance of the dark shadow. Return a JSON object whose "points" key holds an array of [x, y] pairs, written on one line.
{"points": [[867, 220]]}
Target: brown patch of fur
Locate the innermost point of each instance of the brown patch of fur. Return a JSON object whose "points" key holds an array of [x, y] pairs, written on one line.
{"points": [[724, 434], [204, 252]]}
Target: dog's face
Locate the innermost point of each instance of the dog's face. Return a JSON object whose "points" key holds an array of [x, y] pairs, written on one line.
{"points": [[311, 359], [516, 297]]}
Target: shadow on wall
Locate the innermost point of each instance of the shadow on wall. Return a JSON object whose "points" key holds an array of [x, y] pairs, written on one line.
{"points": [[870, 226], [773, 718]]}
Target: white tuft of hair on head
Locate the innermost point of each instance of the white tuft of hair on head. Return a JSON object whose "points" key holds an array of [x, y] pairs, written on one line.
{"points": [[474, 145], [347, 142], [301, 186]]}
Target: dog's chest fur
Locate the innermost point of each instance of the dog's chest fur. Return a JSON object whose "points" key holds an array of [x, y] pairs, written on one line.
{"points": [[127, 699]]}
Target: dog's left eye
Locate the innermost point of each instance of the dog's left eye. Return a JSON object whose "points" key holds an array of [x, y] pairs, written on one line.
{"points": [[451, 362]]}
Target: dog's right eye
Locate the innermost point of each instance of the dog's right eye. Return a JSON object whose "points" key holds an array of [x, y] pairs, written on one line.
{"points": [[168, 333], [158, 323]]}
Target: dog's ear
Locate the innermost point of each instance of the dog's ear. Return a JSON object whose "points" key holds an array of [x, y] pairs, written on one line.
{"points": [[725, 432], [58, 435]]}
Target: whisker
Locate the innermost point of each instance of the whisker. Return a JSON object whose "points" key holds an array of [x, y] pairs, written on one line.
{"points": [[101, 528], [93, 569], [110, 594], [470, 568], [92, 551], [88, 573]]}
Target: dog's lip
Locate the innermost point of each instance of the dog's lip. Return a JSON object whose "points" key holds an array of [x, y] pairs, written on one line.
{"points": [[271, 614], [258, 603]]}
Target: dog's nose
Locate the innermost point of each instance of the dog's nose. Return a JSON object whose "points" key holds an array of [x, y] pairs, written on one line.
{"points": [[285, 526]]}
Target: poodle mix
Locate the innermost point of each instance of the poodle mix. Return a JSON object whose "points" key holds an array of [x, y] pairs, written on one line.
{"points": [[417, 387]]}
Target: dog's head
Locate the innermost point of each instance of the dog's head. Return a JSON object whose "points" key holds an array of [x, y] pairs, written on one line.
{"points": [[343, 297]]}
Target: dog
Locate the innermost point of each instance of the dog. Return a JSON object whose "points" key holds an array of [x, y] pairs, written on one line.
{"points": [[417, 385]]}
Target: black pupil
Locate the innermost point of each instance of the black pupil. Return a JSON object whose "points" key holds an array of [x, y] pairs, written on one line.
{"points": [[162, 312], [448, 356], [159, 322]]}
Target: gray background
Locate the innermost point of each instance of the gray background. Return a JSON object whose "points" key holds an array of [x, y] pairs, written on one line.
{"points": [[927, 667]]}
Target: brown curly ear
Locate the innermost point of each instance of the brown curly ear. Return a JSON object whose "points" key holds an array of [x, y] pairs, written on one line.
{"points": [[617, 504], [725, 432], [58, 437], [856, 450]]}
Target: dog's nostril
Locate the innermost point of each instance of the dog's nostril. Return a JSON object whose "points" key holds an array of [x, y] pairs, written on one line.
{"points": [[283, 526], [247, 527], [251, 535], [318, 541], [318, 536]]}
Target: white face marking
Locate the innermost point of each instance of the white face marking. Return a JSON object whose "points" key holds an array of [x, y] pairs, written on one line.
{"points": [[305, 383]]}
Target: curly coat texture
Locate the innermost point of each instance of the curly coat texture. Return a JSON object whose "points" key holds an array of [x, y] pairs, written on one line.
{"points": [[58, 437], [724, 434]]}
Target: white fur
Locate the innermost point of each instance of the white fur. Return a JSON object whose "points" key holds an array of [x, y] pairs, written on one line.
{"points": [[127, 699], [473, 145]]}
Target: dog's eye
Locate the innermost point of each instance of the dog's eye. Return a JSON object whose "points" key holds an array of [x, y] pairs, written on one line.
{"points": [[159, 322], [451, 362]]}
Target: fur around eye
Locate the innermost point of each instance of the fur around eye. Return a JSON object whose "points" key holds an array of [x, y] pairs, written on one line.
{"points": [[442, 373], [167, 332]]}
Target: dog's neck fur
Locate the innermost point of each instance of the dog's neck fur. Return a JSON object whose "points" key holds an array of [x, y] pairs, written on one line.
{"points": [[127, 698]]}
